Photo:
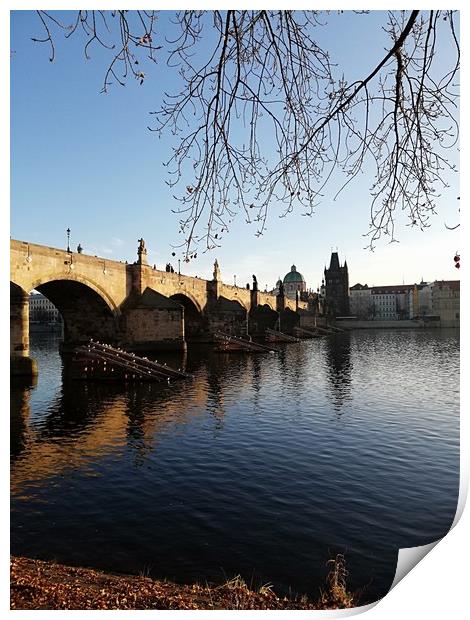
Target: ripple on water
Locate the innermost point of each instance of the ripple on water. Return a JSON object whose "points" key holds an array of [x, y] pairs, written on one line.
{"points": [[264, 466]]}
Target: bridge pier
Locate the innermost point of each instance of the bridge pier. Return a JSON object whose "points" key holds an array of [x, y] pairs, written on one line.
{"points": [[152, 322], [261, 318], [20, 362]]}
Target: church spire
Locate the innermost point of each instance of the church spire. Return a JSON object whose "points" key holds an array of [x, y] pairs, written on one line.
{"points": [[334, 261]]}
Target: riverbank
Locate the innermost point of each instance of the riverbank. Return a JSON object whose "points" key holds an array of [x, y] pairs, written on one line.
{"points": [[351, 324], [46, 585]]}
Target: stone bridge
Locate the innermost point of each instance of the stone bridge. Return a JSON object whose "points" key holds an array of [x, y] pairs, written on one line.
{"points": [[134, 305]]}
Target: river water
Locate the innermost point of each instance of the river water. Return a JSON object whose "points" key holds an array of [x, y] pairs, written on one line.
{"points": [[263, 465]]}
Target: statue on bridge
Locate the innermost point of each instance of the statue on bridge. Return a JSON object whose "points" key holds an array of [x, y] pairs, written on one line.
{"points": [[142, 252], [216, 274], [255, 283]]}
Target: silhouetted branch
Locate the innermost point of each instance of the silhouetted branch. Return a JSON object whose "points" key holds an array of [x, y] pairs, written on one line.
{"points": [[263, 120]]}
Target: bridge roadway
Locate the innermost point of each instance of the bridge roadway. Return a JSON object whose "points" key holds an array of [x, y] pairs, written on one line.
{"points": [[135, 305]]}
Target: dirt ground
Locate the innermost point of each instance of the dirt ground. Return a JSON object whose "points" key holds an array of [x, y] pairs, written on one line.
{"points": [[46, 585]]}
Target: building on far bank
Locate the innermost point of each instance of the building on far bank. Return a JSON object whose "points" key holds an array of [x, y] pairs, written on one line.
{"points": [[420, 301], [439, 300], [446, 302], [391, 303], [388, 303], [337, 287], [41, 310], [360, 302]]}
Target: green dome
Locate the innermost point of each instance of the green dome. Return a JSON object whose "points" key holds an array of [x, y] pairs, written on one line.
{"points": [[293, 276]]}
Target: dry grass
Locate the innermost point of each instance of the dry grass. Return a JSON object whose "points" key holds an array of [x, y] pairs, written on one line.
{"points": [[46, 585], [337, 596]]}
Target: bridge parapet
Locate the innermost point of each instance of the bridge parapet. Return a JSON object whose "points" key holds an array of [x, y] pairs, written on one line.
{"points": [[32, 265]]}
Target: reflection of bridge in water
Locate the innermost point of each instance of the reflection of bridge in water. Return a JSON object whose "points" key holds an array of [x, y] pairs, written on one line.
{"points": [[89, 422], [93, 421], [136, 306]]}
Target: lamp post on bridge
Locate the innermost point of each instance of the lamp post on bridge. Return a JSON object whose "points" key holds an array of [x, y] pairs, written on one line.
{"points": [[234, 280], [179, 267], [68, 240]]}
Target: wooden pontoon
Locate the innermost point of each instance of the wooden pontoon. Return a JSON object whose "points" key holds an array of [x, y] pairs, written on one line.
{"points": [[273, 335], [97, 360], [227, 343]]}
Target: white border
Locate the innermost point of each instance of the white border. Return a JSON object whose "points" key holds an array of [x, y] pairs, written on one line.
{"points": [[439, 586]]}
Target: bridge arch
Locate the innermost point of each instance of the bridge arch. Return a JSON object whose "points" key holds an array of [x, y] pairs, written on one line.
{"points": [[195, 324], [271, 303], [73, 277], [87, 311], [234, 297], [187, 296]]}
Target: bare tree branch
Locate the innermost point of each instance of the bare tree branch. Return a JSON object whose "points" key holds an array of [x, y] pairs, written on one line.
{"points": [[263, 121]]}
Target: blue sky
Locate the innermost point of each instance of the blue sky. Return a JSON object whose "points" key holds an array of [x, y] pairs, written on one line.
{"points": [[87, 161]]}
